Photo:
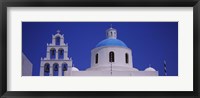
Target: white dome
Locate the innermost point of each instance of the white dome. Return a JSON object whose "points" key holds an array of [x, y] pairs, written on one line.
{"points": [[135, 69], [149, 69], [75, 69]]}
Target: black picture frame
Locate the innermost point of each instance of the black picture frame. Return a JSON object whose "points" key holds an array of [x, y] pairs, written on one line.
{"points": [[99, 3]]}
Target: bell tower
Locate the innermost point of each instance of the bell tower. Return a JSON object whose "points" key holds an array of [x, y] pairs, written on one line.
{"points": [[111, 32], [56, 62]]}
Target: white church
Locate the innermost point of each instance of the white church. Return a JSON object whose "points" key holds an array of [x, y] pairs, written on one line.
{"points": [[110, 57]]}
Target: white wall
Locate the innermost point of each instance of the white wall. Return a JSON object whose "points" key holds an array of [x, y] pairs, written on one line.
{"points": [[114, 73], [103, 59], [26, 66]]}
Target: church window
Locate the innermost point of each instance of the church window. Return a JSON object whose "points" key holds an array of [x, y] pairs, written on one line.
{"points": [[60, 53], [46, 69], [55, 69], [126, 57], [96, 59], [57, 40], [111, 57]]}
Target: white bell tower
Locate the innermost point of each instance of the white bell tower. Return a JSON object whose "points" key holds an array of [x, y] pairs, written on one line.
{"points": [[56, 62]]}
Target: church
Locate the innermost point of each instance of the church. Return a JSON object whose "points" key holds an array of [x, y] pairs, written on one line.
{"points": [[110, 57]]}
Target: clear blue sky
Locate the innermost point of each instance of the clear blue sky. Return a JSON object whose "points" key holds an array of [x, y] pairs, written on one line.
{"points": [[151, 42]]}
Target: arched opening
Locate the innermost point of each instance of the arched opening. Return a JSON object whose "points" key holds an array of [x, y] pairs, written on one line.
{"points": [[57, 40], [111, 57], [60, 53], [52, 53], [64, 68], [55, 69], [46, 69], [96, 58], [126, 58], [114, 34]]}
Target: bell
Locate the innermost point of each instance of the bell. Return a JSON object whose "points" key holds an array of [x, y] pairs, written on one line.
{"points": [[46, 69], [64, 68], [56, 68], [61, 52], [53, 52]]}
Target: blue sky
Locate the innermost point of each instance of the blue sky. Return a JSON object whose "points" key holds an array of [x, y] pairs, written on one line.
{"points": [[150, 42]]}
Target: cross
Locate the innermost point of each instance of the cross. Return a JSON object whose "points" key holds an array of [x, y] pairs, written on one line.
{"points": [[165, 62], [58, 31], [149, 65], [110, 25]]}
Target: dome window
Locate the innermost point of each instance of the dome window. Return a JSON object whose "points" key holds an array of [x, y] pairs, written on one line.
{"points": [[126, 58], [96, 58], [111, 57]]}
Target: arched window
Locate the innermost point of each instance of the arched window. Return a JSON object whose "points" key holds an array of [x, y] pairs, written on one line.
{"points": [[126, 58], [64, 68], [55, 69], [57, 40], [46, 69], [52, 53], [60, 53], [96, 58], [111, 57]]}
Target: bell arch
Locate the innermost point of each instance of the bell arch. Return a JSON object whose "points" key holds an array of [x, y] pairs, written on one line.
{"points": [[46, 69], [57, 40], [60, 53], [64, 68], [52, 53], [55, 69]]}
